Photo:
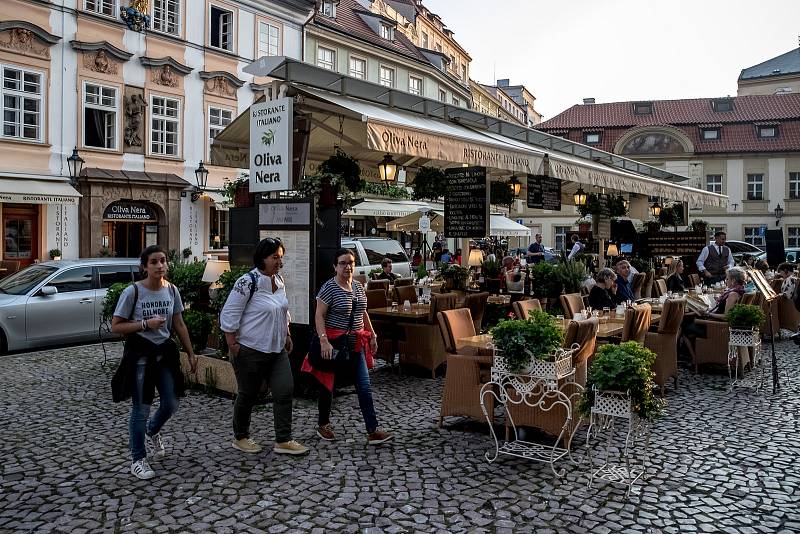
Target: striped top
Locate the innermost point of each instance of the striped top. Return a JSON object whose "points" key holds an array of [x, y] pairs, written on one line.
{"points": [[340, 304]]}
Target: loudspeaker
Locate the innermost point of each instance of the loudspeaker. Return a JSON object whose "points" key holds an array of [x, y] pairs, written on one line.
{"points": [[775, 251]]}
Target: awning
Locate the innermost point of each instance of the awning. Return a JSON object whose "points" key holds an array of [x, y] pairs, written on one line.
{"points": [[499, 225], [24, 191], [505, 227], [220, 202], [385, 208]]}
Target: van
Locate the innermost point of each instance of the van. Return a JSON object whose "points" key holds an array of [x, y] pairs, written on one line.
{"points": [[370, 251]]}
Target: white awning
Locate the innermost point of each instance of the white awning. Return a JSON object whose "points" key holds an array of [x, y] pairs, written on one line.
{"points": [[384, 208], [499, 225], [22, 191], [220, 202], [504, 227]]}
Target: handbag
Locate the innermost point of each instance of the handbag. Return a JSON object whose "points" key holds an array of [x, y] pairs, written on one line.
{"points": [[342, 351]]}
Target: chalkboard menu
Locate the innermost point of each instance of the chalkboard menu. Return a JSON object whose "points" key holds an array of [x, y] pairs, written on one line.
{"points": [[544, 192], [466, 205]]}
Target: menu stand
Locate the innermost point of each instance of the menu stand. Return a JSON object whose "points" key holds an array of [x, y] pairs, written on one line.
{"points": [[769, 296]]}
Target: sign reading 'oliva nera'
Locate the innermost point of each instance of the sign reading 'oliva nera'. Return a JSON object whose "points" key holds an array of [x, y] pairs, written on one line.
{"points": [[271, 145]]}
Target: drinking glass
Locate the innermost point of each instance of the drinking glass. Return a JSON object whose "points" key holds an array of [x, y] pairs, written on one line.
{"points": [[394, 305]]}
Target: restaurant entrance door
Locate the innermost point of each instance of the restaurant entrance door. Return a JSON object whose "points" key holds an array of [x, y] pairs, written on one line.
{"points": [[21, 233]]}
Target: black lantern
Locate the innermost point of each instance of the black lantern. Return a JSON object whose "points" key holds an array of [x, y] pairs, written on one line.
{"points": [[655, 209], [580, 197], [75, 164], [388, 170], [201, 175], [778, 215], [515, 186]]}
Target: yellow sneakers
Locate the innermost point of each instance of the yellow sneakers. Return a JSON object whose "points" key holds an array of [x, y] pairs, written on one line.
{"points": [[290, 447], [246, 445]]}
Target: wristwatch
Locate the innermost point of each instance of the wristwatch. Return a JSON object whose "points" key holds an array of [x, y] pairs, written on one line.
{"points": [[323, 335]]}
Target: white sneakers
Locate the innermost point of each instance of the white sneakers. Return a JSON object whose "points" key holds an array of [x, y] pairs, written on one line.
{"points": [[155, 447], [141, 469]]}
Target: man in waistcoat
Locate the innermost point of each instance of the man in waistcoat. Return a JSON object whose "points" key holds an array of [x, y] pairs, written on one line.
{"points": [[715, 260]]}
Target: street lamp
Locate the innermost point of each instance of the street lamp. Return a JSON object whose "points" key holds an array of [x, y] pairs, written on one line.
{"points": [[515, 186], [201, 175], [778, 215], [580, 197], [75, 164], [387, 169], [655, 209]]}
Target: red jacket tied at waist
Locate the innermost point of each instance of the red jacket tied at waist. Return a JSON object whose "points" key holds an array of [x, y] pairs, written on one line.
{"points": [[362, 343]]}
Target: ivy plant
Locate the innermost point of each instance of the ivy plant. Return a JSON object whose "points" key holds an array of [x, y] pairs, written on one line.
{"points": [[388, 191], [345, 166], [523, 340]]}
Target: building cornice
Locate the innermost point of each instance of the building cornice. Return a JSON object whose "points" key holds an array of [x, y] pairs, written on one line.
{"points": [[180, 68], [230, 78], [39, 32], [105, 46]]}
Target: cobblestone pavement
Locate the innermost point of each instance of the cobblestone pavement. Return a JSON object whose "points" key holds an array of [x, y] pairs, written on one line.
{"points": [[718, 462]]}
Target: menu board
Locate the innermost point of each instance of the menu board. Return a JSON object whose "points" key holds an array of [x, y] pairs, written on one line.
{"points": [[544, 192], [296, 271], [466, 205], [672, 243]]}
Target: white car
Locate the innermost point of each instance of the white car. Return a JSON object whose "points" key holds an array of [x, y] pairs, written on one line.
{"points": [[370, 251]]}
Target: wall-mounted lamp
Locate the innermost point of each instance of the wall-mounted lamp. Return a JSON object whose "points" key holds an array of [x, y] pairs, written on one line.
{"points": [[201, 175], [655, 209], [515, 186], [580, 197], [735, 205], [778, 215], [388, 169], [75, 165]]}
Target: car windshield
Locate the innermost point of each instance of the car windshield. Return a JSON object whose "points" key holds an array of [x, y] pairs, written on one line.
{"points": [[23, 281]]}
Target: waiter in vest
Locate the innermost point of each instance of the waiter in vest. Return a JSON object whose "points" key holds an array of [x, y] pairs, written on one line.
{"points": [[715, 260]]}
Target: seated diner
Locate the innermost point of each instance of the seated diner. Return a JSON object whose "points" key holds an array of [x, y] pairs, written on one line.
{"points": [[604, 290]]}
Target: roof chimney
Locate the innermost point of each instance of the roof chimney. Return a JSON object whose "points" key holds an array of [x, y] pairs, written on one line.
{"points": [[588, 100]]}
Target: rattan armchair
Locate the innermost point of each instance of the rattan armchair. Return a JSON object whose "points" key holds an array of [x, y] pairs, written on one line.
{"points": [[423, 344], [713, 348], [405, 293], [637, 285], [571, 303], [360, 278], [694, 279], [522, 308], [664, 342], [476, 303], [400, 282], [637, 321], [379, 284], [659, 287], [647, 285]]}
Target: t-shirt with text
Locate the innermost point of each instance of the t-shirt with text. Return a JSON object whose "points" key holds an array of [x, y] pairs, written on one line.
{"points": [[165, 303]]}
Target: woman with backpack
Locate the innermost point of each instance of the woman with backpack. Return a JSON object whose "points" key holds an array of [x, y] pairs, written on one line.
{"points": [[147, 313], [255, 320]]}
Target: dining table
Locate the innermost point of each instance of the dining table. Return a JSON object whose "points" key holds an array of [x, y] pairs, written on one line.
{"points": [[417, 313]]}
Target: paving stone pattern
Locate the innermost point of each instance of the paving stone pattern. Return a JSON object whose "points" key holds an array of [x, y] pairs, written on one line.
{"points": [[718, 462]]}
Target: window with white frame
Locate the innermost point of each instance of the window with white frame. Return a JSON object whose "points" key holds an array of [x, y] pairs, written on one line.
{"points": [[442, 95], [218, 119], [221, 28], [165, 119], [560, 237], [714, 183], [326, 58], [424, 40], [755, 187], [269, 39], [23, 103], [755, 235], [101, 7], [387, 76], [328, 9], [99, 116], [166, 16], [358, 68], [793, 236], [387, 32], [710, 134], [794, 185], [414, 85]]}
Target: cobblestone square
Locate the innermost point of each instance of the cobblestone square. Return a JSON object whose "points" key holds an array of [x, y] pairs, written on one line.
{"points": [[718, 462]]}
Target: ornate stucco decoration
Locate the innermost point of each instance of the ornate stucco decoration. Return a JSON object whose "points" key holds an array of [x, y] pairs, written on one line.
{"points": [[221, 83], [102, 56], [26, 38], [165, 71]]}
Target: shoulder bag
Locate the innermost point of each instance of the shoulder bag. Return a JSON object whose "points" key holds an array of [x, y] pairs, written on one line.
{"points": [[342, 351]]}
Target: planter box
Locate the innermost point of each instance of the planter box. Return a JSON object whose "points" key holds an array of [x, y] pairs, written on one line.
{"points": [[551, 371], [744, 338], [613, 403], [220, 372]]}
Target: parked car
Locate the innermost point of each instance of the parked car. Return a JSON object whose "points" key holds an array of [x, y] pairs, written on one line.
{"points": [[370, 251], [550, 255], [741, 248], [792, 255], [58, 302]]}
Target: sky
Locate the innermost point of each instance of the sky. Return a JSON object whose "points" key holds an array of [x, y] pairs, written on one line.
{"points": [[619, 50]]}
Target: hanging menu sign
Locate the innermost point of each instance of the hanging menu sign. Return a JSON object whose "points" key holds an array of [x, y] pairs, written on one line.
{"points": [[466, 205], [544, 192]]}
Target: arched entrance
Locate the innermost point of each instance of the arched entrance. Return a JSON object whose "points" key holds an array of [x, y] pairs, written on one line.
{"points": [[129, 227]]}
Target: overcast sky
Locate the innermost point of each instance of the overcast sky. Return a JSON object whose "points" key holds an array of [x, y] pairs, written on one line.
{"points": [[615, 50]]}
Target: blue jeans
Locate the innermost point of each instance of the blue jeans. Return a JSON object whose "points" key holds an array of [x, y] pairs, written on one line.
{"points": [[364, 391], [138, 423]]}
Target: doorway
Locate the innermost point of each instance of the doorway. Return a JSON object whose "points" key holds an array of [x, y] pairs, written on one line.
{"points": [[127, 239], [21, 233]]}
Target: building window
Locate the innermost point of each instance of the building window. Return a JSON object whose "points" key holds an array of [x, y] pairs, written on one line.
{"points": [[424, 40], [23, 103], [560, 237], [326, 58], [438, 47], [754, 235], [755, 187], [218, 119], [165, 117], [358, 68], [414, 85], [387, 76], [218, 228], [767, 132], [464, 72], [99, 116], [714, 183], [793, 236], [221, 28], [328, 9], [442, 95], [456, 102], [794, 185], [714, 229], [269, 39], [166, 16], [722, 104], [591, 138], [387, 32], [101, 7], [710, 134], [642, 108]]}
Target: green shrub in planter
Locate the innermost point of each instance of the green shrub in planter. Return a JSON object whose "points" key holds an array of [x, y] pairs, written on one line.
{"points": [[745, 317], [545, 280], [624, 367], [522, 341], [199, 325], [375, 271], [188, 278], [490, 268], [111, 299]]}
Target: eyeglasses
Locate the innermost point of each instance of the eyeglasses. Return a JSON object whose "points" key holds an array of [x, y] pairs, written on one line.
{"points": [[346, 263]]}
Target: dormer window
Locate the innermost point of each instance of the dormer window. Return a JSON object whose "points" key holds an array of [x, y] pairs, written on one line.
{"points": [[328, 9], [591, 138], [709, 134], [642, 108], [722, 104], [767, 131], [387, 32]]}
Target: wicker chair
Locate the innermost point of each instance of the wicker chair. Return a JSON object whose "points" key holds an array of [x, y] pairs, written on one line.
{"points": [[659, 287], [523, 307], [694, 279], [766, 307], [376, 298], [571, 303], [379, 284], [637, 321], [401, 282], [360, 278], [423, 344], [466, 372], [476, 303], [405, 293], [664, 342], [789, 316], [647, 285], [584, 333], [638, 284]]}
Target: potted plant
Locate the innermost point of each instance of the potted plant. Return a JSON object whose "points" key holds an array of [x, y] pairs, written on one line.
{"points": [[584, 225], [346, 167], [547, 285], [491, 272], [593, 205], [669, 216], [624, 371], [500, 194], [199, 324], [55, 254], [745, 321], [572, 274], [111, 299], [326, 190], [699, 225], [455, 276], [521, 344], [616, 207], [375, 272], [428, 184]]}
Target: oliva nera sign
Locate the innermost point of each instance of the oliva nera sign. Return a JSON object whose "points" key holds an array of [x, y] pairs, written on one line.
{"points": [[271, 145], [129, 211]]}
